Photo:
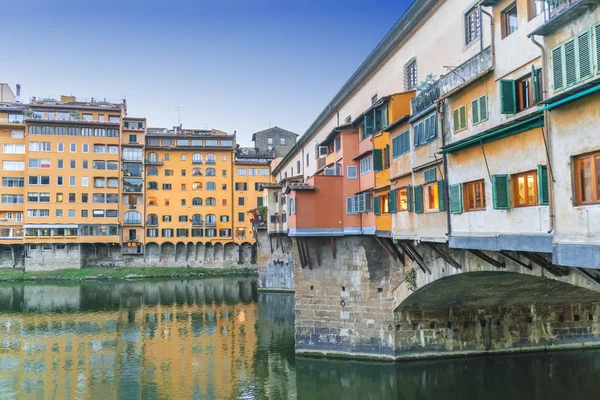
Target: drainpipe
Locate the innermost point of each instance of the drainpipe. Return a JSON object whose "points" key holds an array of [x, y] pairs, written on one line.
{"points": [[547, 137], [492, 46], [445, 166]]}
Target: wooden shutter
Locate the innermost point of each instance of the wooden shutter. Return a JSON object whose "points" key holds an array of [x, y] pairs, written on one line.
{"points": [[406, 142], [396, 146], [455, 198], [126, 123], [483, 111], [536, 81], [597, 36], [369, 124], [475, 111], [409, 196], [419, 199], [377, 160], [430, 175], [557, 69], [584, 53], [463, 117], [392, 201], [500, 192], [508, 97], [455, 120], [441, 195], [377, 205], [543, 196], [417, 132], [570, 63]]}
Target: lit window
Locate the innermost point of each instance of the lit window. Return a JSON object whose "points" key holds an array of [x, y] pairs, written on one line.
{"points": [[474, 195]]}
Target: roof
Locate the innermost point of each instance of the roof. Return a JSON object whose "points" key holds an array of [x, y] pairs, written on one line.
{"points": [[298, 187], [275, 128], [572, 94], [269, 185], [399, 33], [336, 131]]}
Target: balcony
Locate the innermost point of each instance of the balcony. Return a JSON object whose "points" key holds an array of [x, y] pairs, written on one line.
{"points": [[425, 100], [211, 223], [153, 161], [12, 121], [152, 222], [558, 13], [138, 126], [466, 72], [200, 223], [132, 221]]}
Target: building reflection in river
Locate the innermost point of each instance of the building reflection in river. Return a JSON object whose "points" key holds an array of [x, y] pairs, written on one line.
{"points": [[138, 340]]}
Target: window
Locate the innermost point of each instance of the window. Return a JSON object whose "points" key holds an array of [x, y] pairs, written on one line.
{"points": [[432, 202], [509, 20], [265, 171], [240, 201], [84, 181], [587, 175], [381, 204], [270, 141], [211, 158], [196, 171], [211, 232], [459, 119], [525, 189], [197, 186], [479, 110], [425, 131], [401, 144], [85, 148], [211, 201], [152, 185], [572, 60], [15, 182], [183, 172], [241, 171], [374, 121], [183, 157], [39, 163], [474, 195], [182, 232], [73, 147], [211, 172], [366, 165], [166, 186], [152, 232], [197, 232], [14, 148], [133, 217], [60, 163], [59, 213], [59, 180], [472, 26], [224, 218], [241, 217], [152, 171], [197, 201], [223, 186], [535, 8], [224, 202], [132, 138], [363, 202], [13, 165], [410, 75], [168, 172], [211, 220], [167, 232], [516, 96], [241, 186], [211, 186], [166, 218], [183, 202], [293, 205], [197, 158], [152, 201], [402, 199]]}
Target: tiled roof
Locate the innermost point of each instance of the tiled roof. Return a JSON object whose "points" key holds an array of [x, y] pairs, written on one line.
{"points": [[269, 186], [299, 186]]}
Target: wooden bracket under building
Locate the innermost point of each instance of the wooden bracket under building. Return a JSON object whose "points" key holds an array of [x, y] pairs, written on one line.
{"points": [[488, 259], [515, 258], [300, 252], [399, 254], [414, 255], [589, 274], [333, 249], [317, 253], [546, 264], [445, 256]]}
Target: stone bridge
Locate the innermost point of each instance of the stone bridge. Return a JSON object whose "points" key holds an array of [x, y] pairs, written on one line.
{"points": [[364, 296]]}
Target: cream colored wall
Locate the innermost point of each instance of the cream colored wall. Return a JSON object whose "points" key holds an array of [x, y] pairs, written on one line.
{"points": [[437, 43]]}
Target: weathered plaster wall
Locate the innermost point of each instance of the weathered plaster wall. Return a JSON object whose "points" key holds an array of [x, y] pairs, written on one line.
{"points": [[275, 262]]}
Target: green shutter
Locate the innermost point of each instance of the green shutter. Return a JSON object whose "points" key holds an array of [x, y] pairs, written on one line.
{"points": [[126, 123], [419, 199], [430, 175], [455, 198], [543, 198], [369, 124], [584, 52], [442, 195], [475, 111], [597, 36], [534, 83], [259, 201], [377, 160], [409, 196], [396, 146], [392, 201], [508, 97], [570, 63], [455, 121], [557, 69], [501, 192], [377, 205], [463, 117], [483, 111]]}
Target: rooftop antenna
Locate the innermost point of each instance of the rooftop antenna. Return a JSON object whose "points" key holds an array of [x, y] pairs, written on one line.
{"points": [[179, 116]]}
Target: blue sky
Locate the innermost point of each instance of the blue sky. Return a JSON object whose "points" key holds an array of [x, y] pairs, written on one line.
{"points": [[232, 65]]}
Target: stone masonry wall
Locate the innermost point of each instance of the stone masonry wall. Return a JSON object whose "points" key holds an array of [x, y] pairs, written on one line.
{"points": [[275, 262], [345, 305], [42, 260]]}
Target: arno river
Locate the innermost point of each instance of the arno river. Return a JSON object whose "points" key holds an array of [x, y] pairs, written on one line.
{"points": [[220, 339]]}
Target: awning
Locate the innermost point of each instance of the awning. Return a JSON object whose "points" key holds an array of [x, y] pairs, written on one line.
{"points": [[497, 133], [574, 96]]}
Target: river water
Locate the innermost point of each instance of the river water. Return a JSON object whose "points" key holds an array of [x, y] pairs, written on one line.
{"points": [[221, 339]]}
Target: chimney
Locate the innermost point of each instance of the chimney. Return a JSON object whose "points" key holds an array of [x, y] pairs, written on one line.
{"points": [[18, 96]]}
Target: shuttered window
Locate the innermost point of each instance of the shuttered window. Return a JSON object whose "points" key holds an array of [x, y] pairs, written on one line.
{"points": [[375, 120], [363, 202], [479, 109], [401, 144], [430, 175], [597, 42], [536, 78], [392, 201], [409, 198], [474, 195], [501, 192], [377, 205], [459, 119], [419, 199], [441, 195], [572, 60], [377, 160], [508, 97], [542, 182], [455, 198], [425, 131]]}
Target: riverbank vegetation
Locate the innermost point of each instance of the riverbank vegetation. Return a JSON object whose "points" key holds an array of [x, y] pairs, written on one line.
{"points": [[19, 275]]}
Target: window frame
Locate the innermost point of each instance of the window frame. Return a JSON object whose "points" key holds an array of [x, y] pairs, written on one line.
{"points": [[515, 188], [577, 160], [467, 25], [505, 20], [466, 188]]}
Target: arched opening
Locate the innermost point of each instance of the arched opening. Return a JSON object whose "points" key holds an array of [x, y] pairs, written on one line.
{"points": [[197, 186], [152, 171], [133, 218], [152, 220], [197, 201], [197, 158], [196, 171], [211, 186], [211, 172], [211, 201]]}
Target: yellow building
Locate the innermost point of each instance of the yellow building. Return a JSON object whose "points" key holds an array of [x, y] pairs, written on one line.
{"points": [[188, 186]]}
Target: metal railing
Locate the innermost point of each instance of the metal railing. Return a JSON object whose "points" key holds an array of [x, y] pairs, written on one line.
{"points": [[425, 98]]}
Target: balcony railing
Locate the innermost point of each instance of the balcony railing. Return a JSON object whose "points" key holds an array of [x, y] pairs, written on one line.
{"points": [[152, 222], [133, 221], [7, 121], [154, 161], [425, 98], [467, 71], [198, 223], [211, 223]]}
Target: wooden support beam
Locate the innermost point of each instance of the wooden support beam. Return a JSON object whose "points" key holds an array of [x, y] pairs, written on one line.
{"points": [[300, 252], [271, 242], [399, 254], [488, 259], [444, 255], [515, 258], [546, 264], [388, 251], [333, 249], [416, 257], [307, 253], [277, 242], [412, 258], [588, 274], [317, 253]]}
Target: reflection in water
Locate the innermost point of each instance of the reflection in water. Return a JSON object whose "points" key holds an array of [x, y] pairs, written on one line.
{"points": [[219, 339]]}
